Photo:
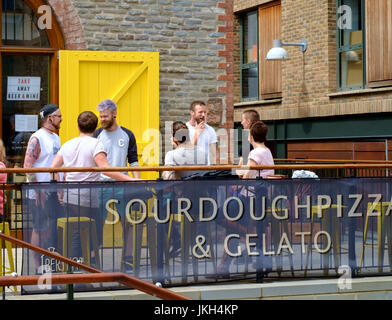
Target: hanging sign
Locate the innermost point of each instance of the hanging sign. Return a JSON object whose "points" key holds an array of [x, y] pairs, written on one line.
{"points": [[24, 88]]}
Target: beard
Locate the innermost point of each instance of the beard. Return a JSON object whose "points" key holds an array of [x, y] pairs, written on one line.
{"points": [[200, 119], [56, 126], [107, 124]]}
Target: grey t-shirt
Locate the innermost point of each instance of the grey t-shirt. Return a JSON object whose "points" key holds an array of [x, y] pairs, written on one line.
{"points": [[120, 146], [185, 157]]}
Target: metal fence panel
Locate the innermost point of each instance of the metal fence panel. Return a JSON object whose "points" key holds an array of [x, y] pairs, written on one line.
{"points": [[199, 231]]}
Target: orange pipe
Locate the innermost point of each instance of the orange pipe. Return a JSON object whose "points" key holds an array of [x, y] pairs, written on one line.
{"points": [[123, 278], [94, 278]]}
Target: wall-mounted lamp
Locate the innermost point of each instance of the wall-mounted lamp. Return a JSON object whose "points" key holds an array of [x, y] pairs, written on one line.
{"points": [[278, 53]]}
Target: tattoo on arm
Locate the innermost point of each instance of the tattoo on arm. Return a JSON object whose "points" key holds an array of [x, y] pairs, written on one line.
{"points": [[32, 154]]}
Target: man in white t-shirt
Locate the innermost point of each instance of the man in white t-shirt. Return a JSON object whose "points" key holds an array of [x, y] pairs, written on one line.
{"points": [[84, 151], [248, 118], [184, 154], [41, 149], [201, 133]]}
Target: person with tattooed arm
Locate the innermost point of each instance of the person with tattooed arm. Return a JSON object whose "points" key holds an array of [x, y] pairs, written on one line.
{"points": [[41, 149]]}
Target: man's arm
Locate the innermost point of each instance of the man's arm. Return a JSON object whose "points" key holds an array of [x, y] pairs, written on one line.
{"points": [[136, 174], [57, 163], [32, 154], [101, 161], [169, 161], [213, 147], [132, 152], [248, 172], [240, 172], [168, 175]]}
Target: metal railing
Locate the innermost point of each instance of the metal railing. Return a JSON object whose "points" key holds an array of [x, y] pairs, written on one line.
{"points": [[332, 168], [97, 276], [283, 167]]}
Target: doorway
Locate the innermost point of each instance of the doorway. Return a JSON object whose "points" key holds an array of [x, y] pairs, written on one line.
{"points": [[29, 80], [25, 80], [29, 73]]}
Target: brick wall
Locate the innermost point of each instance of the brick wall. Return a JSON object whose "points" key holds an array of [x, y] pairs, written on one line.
{"points": [[237, 60], [240, 5], [309, 81], [305, 76], [70, 24]]}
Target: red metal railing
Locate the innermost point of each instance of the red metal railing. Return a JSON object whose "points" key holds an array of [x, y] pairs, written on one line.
{"points": [[97, 276]]}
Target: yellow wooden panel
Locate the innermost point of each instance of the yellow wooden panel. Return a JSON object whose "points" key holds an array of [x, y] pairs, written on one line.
{"points": [[131, 79]]}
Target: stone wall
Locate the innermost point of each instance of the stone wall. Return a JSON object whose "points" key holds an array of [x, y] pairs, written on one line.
{"points": [[194, 39]]}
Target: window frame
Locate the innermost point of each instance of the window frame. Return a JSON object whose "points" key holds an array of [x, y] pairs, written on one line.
{"points": [[56, 42], [247, 66], [341, 49]]}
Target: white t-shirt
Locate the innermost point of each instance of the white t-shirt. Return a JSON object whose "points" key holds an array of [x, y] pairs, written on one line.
{"points": [[262, 156], [183, 157], [49, 144], [80, 152], [207, 137]]}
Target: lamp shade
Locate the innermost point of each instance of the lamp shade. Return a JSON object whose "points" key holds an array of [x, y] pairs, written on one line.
{"points": [[277, 53]]}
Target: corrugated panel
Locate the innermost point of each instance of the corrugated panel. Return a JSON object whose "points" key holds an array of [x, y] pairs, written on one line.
{"points": [[131, 79]]}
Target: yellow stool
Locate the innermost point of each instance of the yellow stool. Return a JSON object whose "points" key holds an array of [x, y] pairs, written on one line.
{"points": [[275, 225], [140, 238], [185, 244], [332, 226], [70, 225], [145, 236], [383, 232], [112, 233], [4, 228]]}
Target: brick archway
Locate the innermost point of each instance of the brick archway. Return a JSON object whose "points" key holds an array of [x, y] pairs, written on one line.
{"points": [[70, 24]]}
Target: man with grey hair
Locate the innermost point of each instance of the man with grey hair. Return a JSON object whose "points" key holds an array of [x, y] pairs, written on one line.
{"points": [[119, 142], [120, 146]]}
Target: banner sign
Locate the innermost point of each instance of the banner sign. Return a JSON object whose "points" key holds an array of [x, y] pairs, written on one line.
{"points": [[194, 231]]}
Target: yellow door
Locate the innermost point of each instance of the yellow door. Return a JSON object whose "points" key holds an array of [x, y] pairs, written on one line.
{"points": [[131, 79]]}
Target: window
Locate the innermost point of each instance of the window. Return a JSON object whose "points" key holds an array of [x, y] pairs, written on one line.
{"points": [[260, 79], [350, 45], [19, 26], [364, 46], [249, 57]]}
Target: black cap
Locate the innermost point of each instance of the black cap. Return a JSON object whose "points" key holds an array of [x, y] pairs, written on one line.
{"points": [[47, 110]]}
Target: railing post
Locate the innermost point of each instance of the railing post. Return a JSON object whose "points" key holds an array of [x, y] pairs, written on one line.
{"points": [[2, 244], [70, 287]]}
